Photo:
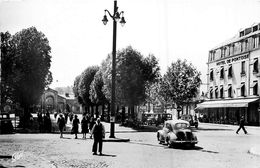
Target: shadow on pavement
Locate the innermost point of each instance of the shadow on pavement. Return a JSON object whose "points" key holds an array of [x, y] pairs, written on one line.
{"points": [[211, 129], [65, 138], [108, 155], [147, 144], [197, 148]]}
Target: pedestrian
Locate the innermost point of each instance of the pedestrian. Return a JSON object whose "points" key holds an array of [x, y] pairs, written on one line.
{"points": [[75, 126], [98, 132], [61, 124], [84, 126], [242, 125], [40, 121], [91, 124]]}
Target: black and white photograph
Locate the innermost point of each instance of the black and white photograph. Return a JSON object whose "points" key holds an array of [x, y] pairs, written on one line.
{"points": [[130, 83]]}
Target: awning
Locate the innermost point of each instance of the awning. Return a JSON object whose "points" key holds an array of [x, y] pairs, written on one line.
{"points": [[225, 103]]}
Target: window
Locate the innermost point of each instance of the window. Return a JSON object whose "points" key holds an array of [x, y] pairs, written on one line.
{"points": [[221, 92], [211, 93], [223, 52], [216, 92], [246, 45], [242, 89], [255, 88], [255, 28], [241, 33], [230, 71], [222, 72], [211, 75], [229, 90], [255, 41], [241, 46], [243, 68], [255, 68], [231, 50]]}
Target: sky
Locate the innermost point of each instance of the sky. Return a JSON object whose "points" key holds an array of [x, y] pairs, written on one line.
{"points": [[168, 29]]}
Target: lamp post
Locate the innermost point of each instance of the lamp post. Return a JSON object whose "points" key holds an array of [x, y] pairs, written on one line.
{"points": [[116, 16]]}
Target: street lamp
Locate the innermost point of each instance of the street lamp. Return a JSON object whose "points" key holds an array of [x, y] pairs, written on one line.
{"points": [[116, 17]]}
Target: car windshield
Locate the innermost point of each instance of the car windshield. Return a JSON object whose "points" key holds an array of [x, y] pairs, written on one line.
{"points": [[181, 125]]}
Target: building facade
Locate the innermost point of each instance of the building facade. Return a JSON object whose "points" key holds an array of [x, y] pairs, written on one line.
{"points": [[233, 80], [54, 102]]}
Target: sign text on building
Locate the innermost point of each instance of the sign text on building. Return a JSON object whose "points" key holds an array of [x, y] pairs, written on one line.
{"points": [[228, 61]]}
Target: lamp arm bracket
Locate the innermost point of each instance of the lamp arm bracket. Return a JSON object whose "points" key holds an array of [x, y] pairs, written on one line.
{"points": [[109, 14], [122, 12]]}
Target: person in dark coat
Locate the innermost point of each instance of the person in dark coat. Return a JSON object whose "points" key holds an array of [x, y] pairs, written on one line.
{"points": [[75, 126], [84, 126], [242, 125], [61, 124], [98, 132]]}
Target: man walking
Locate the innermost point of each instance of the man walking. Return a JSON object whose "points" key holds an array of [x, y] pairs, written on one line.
{"points": [[98, 132], [241, 125]]}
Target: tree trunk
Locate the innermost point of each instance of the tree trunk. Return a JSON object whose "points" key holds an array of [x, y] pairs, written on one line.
{"points": [[117, 116], [103, 111], [108, 112], [92, 110], [129, 112], [97, 113], [133, 112], [123, 115]]}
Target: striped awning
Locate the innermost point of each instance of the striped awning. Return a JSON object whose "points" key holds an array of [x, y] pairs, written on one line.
{"points": [[225, 103]]}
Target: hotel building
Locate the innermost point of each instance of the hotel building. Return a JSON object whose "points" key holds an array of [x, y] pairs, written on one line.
{"points": [[233, 80]]}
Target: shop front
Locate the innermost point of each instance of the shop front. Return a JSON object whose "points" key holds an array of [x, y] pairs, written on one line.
{"points": [[229, 111]]}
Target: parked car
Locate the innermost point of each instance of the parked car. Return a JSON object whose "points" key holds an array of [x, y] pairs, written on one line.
{"points": [[191, 119], [6, 126], [177, 132]]}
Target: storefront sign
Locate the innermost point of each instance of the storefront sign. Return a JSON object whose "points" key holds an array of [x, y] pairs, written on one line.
{"points": [[231, 60]]}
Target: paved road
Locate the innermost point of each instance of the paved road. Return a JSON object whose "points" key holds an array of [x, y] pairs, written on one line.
{"points": [[218, 146]]}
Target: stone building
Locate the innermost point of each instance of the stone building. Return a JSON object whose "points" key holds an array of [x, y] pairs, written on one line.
{"points": [[233, 79], [54, 102]]}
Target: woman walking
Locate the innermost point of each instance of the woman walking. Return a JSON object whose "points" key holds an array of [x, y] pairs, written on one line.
{"points": [[84, 126], [75, 126]]}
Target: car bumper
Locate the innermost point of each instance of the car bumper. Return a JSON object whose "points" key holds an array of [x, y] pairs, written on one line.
{"points": [[185, 142]]}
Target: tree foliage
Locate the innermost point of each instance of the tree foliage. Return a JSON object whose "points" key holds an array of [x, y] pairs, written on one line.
{"points": [[84, 83], [96, 89], [181, 82], [133, 73], [27, 61]]}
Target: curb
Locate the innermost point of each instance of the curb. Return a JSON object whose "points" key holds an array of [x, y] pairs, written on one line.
{"points": [[254, 151]]}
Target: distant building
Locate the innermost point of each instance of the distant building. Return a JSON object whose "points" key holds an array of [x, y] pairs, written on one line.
{"points": [[233, 79], [54, 102]]}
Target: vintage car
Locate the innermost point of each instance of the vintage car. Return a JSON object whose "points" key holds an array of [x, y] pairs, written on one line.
{"points": [[177, 132], [191, 119]]}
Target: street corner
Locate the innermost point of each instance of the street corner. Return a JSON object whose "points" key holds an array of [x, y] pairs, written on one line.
{"points": [[255, 150]]}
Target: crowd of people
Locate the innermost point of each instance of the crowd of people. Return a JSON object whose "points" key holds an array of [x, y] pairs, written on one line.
{"points": [[44, 121], [88, 125]]}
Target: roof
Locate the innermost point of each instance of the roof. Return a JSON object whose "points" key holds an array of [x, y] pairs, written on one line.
{"points": [[70, 97], [236, 38]]}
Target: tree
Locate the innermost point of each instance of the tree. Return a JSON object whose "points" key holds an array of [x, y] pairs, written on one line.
{"points": [[133, 72], [31, 61], [181, 82], [85, 80], [76, 89], [7, 67]]}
